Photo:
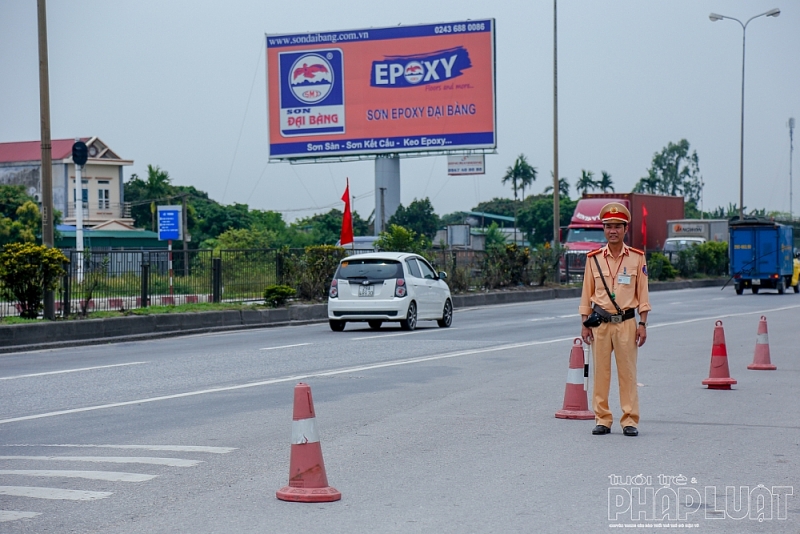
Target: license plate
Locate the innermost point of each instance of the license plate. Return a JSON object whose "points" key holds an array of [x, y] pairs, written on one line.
{"points": [[366, 291], [756, 282]]}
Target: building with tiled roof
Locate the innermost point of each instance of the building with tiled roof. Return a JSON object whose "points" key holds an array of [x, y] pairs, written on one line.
{"points": [[103, 191]]}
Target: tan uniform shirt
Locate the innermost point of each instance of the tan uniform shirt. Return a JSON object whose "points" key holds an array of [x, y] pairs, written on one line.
{"points": [[616, 271]]}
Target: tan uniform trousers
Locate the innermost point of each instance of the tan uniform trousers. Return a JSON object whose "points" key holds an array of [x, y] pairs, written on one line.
{"points": [[621, 338]]}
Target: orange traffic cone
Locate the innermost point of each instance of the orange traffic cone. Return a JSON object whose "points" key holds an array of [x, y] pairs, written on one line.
{"points": [[575, 403], [307, 479], [719, 377], [761, 357]]}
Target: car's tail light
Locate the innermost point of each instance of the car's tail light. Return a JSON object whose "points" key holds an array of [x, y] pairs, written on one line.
{"points": [[334, 292], [776, 276], [400, 288]]}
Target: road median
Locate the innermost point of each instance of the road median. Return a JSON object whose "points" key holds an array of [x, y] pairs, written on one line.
{"points": [[58, 334]]}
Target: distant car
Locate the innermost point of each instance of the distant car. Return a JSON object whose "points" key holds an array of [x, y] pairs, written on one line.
{"points": [[673, 245], [383, 287]]}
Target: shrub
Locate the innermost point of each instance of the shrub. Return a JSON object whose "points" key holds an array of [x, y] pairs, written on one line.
{"points": [[711, 258], [544, 263], [312, 272], [276, 295], [660, 268], [505, 265], [27, 271], [399, 239]]}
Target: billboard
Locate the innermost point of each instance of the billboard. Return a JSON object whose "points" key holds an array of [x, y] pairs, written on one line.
{"points": [[382, 90], [465, 165]]}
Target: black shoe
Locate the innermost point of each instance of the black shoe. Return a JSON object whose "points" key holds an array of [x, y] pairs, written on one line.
{"points": [[630, 431], [599, 430]]}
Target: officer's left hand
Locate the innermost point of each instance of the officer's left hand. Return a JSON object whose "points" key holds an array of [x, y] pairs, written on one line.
{"points": [[641, 335]]}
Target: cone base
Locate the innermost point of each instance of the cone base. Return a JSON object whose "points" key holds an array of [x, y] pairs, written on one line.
{"points": [[761, 367], [719, 383], [327, 494], [574, 414]]}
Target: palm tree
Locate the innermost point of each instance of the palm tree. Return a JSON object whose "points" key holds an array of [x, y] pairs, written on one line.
{"points": [[586, 182], [521, 175], [563, 188], [605, 182]]}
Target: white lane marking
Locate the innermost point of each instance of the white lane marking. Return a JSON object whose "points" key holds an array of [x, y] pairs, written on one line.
{"points": [[171, 448], [720, 298], [69, 371], [12, 515], [675, 303], [109, 476], [286, 346], [54, 493], [541, 319], [428, 330], [569, 316], [288, 379], [172, 462], [711, 317]]}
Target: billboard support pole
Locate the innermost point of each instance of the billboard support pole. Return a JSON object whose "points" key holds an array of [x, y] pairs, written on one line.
{"points": [[387, 189], [556, 189]]}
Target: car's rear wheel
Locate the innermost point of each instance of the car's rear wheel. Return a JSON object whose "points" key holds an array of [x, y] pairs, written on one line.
{"points": [[375, 325], [410, 322], [336, 326], [447, 315], [754, 289]]}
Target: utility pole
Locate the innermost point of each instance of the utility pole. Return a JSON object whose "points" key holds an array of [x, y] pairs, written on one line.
{"points": [[47, 156], [791, 149], [185, 226], [556, 189], [383, 210]]}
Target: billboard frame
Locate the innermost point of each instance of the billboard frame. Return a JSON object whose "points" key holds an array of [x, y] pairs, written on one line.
{"points": [[371, 152]]}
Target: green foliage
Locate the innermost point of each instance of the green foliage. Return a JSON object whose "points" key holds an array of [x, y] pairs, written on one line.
{"points": [[418, 216], [94, 275], [20, 220], [505, 266], [711, 258], [323, 229], [494, 237], [276, 295], [659, 267], [536, 220], [674, 171], [544, 263], [312, 272], [521, 175], [399, 239], [457, 217], [605, 184], [242, 239], [563, 188], [27, 271], [586, 182], [498, 206]]}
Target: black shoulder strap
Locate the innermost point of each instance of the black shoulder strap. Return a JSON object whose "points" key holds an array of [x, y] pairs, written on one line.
{"points": [[605, 285]]}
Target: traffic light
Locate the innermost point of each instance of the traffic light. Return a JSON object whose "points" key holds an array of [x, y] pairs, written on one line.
{"points": [[80, 153]]}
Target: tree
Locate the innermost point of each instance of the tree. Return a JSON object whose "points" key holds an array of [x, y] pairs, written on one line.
{"points": [[498, 206], [537, 218], [563, 188], [419, 217], [242, 238], [674, 171], [20, 220], [521, 175], [605, 184], [399, 239], [323, 229], [27, 271], [585, 182]]}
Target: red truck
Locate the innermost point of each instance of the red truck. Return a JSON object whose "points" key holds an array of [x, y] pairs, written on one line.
{"points": [[585, 231]]}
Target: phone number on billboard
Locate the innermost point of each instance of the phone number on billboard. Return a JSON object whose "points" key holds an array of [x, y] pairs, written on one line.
{"points": [[459, 28]]}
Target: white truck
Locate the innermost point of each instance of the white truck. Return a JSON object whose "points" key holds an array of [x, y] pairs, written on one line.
{"points": [[707, 229]]}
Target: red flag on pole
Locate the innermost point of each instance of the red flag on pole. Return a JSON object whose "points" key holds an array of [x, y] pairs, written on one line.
{"points": [[347, 220], [644, 227]]}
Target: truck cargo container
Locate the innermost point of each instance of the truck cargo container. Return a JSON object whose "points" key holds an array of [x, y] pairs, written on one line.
{"points": [[708, 229], [760, 253], [585, 231]]}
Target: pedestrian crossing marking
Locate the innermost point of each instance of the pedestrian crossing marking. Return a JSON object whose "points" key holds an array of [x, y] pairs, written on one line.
{"points": [[171, 448], [53, 493], [13, 515], [109, 476], [171, 462]]}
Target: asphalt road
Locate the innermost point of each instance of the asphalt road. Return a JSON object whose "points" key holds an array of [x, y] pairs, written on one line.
{"points": [[438, 430]]}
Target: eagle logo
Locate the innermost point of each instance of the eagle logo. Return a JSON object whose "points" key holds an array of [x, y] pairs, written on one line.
{"points": [[311, 78]]}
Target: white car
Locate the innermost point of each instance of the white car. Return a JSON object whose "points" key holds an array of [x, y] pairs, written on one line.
{"points": [[388, 286]]}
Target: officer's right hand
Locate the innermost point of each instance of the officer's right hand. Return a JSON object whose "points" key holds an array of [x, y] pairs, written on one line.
{"points": [[586, 335]]}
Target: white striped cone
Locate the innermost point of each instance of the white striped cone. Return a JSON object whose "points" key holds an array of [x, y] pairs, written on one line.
{"points": [[576, 405], [761, 361], [308, 481]]}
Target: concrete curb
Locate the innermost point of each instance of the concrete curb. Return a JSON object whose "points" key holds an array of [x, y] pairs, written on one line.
{"points": [[58, 334]]}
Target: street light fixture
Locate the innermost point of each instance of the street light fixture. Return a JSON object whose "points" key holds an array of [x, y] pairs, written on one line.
{"points": [[714, 17]]}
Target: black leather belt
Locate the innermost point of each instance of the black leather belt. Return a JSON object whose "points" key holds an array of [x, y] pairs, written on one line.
{"points": [[607, 317]]}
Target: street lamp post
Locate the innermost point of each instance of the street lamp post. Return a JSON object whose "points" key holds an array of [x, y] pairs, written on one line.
{"points": [[714, 18]]}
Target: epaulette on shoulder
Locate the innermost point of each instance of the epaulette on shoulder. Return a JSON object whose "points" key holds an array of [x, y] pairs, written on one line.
{"points": [[594, 253], [636, 250]]}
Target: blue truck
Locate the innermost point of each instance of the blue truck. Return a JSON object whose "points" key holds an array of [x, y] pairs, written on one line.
{"points": [[760, 253]]}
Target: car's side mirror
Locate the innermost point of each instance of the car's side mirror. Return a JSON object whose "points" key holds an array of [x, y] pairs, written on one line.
{"points": [[442, 275]]}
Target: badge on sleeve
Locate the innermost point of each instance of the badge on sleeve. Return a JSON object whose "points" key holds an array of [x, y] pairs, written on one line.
{"points": [[644, 270]]}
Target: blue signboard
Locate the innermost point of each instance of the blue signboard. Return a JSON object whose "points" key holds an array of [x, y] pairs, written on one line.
{"points": [[169, 223]]}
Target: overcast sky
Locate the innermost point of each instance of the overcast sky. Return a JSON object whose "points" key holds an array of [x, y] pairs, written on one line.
{"points": [[181, 85]]}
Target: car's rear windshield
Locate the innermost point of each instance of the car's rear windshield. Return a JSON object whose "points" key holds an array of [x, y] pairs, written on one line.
{"points": [[369, 269]]}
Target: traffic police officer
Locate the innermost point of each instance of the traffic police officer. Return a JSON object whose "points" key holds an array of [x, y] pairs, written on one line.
{"points": [[624, 271]]}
